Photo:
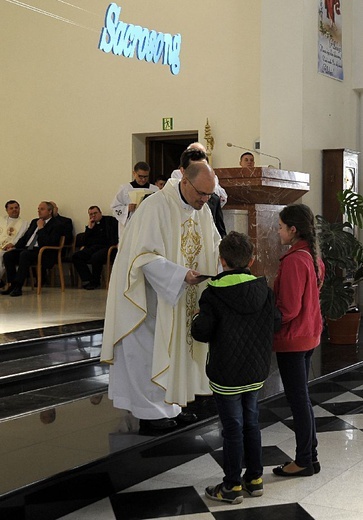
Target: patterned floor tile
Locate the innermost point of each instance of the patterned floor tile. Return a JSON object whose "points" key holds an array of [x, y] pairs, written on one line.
{"points": [[158, 503], [283, 512]]}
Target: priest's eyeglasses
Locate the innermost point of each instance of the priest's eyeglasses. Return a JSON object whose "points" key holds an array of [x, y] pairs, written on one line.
{"points": [[200, 193]]}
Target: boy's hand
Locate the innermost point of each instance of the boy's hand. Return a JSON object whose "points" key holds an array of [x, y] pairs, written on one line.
{"points": [[192, 277]]}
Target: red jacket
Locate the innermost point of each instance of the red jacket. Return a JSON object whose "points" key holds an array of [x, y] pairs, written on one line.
{"points": [[297, 298]]}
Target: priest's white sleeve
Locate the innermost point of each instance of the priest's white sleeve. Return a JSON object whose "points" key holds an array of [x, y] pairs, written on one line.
{"points": [[166, 278], [120, 204], [221, 192]]}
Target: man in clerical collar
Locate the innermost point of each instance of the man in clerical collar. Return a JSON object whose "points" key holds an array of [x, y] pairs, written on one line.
{"points": [[12, 228], [100, 233], [167, 250], [123, 207]]}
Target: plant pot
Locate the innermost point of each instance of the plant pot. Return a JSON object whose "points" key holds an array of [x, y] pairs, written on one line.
{"points": [[345, 330]]}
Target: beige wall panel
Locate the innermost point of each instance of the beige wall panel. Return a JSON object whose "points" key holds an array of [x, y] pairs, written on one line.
{"points": [[69, 110]]}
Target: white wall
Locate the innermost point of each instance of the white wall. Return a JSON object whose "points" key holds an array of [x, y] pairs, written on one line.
{"points": [[357, 38], [69, 111], [302, 111]]}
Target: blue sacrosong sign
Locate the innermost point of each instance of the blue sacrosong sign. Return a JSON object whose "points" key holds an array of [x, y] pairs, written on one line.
{"points": [[128, 40]]}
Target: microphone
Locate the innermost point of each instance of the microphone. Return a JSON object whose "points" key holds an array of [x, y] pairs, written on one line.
{"points": [[255, 151]]}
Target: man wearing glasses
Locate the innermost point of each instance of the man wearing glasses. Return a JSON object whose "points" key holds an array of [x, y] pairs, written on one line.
{"points": [[122, 206], [100, 233], [193, 153], [156, 366]]}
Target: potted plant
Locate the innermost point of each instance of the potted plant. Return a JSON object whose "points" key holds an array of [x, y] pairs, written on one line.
{"points": [[342, 253]]}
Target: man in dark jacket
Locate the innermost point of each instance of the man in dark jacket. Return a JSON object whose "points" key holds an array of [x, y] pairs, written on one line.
{"points": [[237, 317], [100, 233], [66, 223], [43, 231]]}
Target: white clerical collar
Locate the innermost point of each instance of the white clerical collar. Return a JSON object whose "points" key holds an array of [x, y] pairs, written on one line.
{"points": [[183, 202]]}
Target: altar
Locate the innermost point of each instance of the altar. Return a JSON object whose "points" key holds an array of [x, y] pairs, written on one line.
{"points": [[255, 198]]}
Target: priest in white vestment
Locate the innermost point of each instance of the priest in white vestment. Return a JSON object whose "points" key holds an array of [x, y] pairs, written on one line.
{"points": [[156, 366], [12, 228]]}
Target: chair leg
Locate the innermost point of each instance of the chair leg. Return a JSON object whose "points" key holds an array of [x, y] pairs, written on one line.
{"points": [[39, 278], [61, 275]]}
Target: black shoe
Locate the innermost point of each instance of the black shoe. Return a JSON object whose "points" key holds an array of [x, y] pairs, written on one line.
{"points": [[2, 284], [16, 292], [253, 487], [8, 291], [186, 418], [222, 494], [92, 286], [305, 472], [316, 466], [157, 426]]}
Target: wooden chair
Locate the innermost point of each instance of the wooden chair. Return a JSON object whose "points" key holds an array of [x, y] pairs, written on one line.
{"points": [[78, 244], [38, 265], [109, 263], [67, 253]]}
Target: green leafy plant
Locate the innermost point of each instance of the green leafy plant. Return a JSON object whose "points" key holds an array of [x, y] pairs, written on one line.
{"points": [[342, 254], [351, 205]]}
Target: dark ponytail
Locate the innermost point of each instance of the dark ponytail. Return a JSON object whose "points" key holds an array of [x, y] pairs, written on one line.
{"points": [[302, 218]]}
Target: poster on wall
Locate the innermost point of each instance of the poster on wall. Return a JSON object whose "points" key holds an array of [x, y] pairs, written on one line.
{"points": [[330, 61]]}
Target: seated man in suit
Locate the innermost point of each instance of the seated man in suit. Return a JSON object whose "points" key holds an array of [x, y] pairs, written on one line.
{"points": [[43, 231], [100, 233], [66, 222]]}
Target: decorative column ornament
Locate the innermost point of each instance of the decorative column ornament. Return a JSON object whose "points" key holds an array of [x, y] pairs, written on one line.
{"points": [[210, 141]]}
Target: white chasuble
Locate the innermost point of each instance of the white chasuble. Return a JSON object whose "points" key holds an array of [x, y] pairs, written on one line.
{"points": [[156, 362], [11, 229]]}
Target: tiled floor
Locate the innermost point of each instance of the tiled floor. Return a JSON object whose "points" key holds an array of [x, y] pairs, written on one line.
{"points": [[166, 477], [335, 493]]}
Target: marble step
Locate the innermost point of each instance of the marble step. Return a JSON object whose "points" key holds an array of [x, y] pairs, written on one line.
{"points": [[35, 359], [39, 394], [38, 375]]}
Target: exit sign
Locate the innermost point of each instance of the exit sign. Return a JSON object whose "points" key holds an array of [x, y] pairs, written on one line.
{"points": [[167, 123]]}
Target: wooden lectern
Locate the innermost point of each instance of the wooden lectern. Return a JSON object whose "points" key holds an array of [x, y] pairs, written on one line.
{"points": [[261, 193]]}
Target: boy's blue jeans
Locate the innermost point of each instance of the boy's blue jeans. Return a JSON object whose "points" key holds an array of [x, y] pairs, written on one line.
{"points": [[241, 436]]}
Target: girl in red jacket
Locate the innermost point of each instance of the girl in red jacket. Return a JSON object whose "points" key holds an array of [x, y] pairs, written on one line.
{"points": [[296, 289]]}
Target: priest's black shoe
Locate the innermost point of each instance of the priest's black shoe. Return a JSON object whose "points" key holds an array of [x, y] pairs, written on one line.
{"points": [[156, 426], [16, 292], [186, 418]]}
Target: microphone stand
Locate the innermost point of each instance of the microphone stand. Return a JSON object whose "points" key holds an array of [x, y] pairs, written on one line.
{"points": [[255, 151]]}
